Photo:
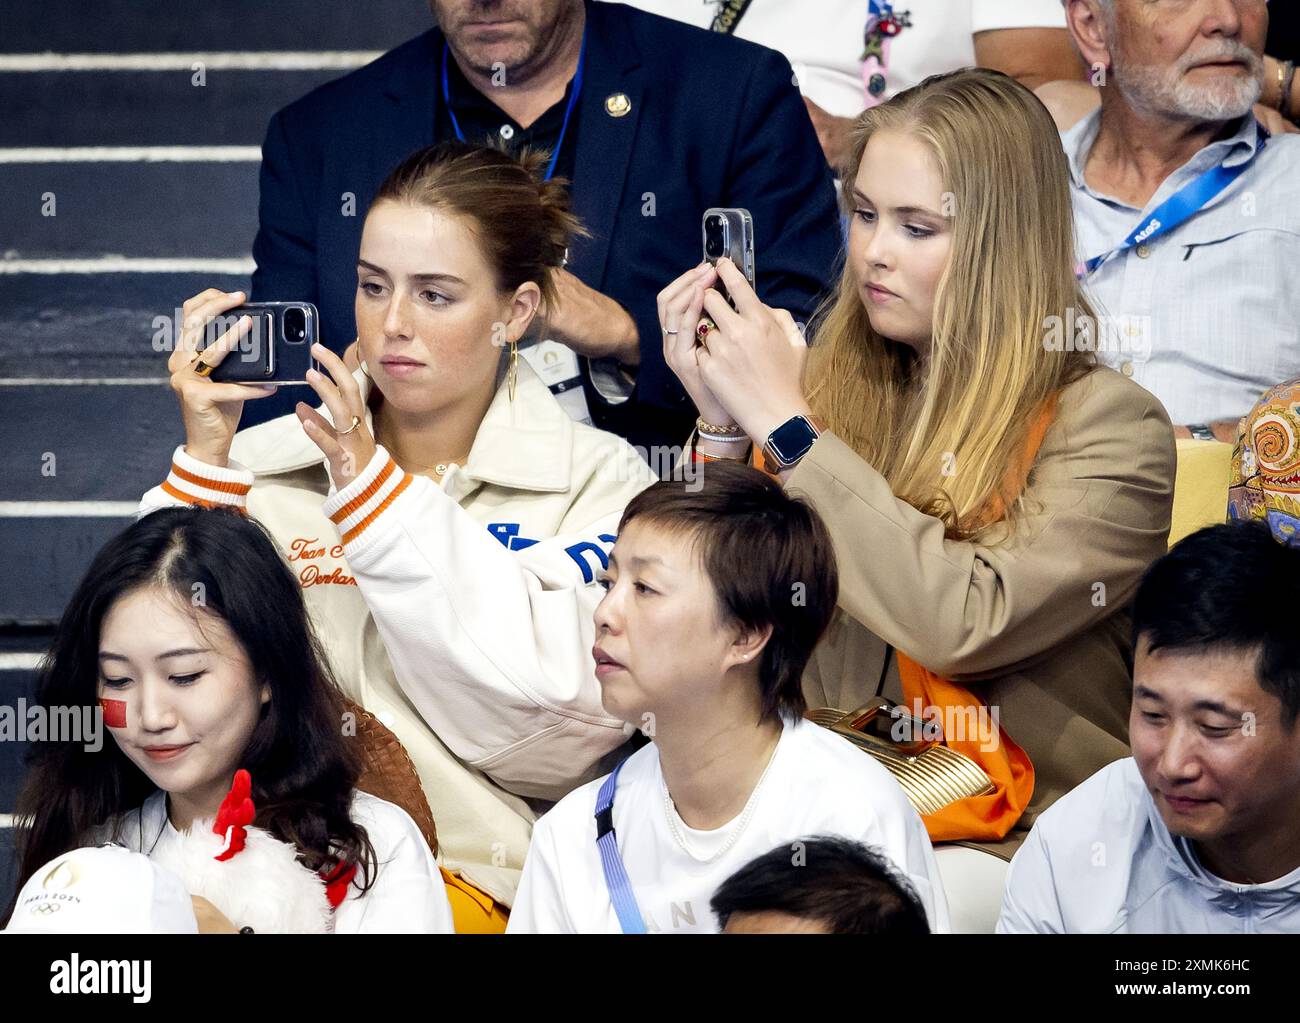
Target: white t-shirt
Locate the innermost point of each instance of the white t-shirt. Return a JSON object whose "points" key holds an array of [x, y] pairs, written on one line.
{"points": [[816, 784], [407, 894], [1101, 861], [823, 39]]}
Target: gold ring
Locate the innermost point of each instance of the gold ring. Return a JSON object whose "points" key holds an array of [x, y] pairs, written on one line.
{"points": [[200, 367], [356, 421], [702, 329]]}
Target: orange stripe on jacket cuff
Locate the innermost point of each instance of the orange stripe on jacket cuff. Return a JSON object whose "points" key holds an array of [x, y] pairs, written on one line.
{"points": [[185, 498], [359, 501], [360, 527], [222, 486]]}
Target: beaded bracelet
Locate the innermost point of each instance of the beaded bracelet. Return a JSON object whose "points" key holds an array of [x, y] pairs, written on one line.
{"points": [[719, 438], [704, 427]]}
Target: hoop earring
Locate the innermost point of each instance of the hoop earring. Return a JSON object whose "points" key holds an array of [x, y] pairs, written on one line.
{"points": [[365, 372], [512, 375]]}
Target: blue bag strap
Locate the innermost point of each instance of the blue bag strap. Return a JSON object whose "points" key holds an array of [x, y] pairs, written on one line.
{"points": [[611, 862]]}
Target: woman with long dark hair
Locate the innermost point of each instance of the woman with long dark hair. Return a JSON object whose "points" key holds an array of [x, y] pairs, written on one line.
{"points": [[191, 633]]}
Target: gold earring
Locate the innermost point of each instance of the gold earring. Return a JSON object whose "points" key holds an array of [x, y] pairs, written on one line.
{"points": [[512, 375]]}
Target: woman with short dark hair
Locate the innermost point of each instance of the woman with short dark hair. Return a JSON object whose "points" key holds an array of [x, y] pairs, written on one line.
{"points": [[717, 592]]}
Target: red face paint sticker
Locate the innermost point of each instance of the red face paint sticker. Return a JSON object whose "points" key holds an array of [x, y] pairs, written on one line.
{"points": [[114, 713]]}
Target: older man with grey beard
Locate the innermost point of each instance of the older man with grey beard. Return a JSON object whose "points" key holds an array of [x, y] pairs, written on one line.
{"points": [[1187, 212]]}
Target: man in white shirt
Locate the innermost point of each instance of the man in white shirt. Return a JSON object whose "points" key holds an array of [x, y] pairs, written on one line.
{"points": [[1202, 285], [826, 43], [1196, 832], [716, 593]]}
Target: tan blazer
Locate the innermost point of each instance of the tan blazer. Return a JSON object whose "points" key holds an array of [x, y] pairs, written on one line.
{"points": [[1036, 624]]}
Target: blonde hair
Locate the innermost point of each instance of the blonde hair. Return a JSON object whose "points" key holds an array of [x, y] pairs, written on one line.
{"points": [[946, 443]]}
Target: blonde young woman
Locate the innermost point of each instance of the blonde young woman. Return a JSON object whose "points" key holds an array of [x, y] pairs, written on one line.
{"points": [[420, 505], [993, 497]]}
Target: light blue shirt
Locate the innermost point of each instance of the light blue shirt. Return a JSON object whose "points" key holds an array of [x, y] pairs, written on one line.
{"points": [[1101, 861], [1206, 317]]}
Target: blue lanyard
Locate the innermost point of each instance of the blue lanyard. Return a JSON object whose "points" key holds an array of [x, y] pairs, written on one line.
{"points": [[568, 111], [1183, 204], [616, 879]]}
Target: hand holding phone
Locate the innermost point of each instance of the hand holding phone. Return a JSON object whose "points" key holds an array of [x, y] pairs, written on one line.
{"points": [[729, 231], [210, 410], [276, 349]]}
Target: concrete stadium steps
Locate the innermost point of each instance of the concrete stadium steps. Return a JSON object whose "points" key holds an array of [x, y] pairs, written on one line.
{"points": [[108, 442], [15, 683], [147, 108], [182, 210], [90, 325], [129, 26], [76, 301], [50, 555], [8, 866]]}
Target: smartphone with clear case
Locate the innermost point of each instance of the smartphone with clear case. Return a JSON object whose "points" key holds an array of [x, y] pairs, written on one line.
{"points": [[729, 231]]}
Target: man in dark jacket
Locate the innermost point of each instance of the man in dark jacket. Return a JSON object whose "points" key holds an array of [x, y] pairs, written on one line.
{"points": [[652, 121]]}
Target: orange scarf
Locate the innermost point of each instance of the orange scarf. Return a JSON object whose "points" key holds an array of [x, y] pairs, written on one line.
{"points": [[988, 817]]}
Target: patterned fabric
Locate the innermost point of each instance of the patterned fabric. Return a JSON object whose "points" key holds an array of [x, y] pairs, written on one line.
{"points": [[1265, 480]]}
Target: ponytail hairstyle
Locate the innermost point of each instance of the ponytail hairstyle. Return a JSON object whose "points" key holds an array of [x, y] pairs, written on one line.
{"points": [[522, 222], [303, 769]]}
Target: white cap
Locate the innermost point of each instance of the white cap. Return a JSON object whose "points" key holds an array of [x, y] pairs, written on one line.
{"points": [[103, 890]]}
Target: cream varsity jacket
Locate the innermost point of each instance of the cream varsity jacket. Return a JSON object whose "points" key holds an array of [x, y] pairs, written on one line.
{"points": [[459, 615]]}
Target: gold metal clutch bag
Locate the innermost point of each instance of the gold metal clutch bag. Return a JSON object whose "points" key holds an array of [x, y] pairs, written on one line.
{"points": [[932, 775]]}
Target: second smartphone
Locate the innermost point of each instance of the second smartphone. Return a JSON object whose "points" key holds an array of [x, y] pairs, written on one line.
{"points": [[729, 231]]}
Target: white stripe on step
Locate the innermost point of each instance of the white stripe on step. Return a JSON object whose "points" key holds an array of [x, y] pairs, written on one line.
{"points": [[20, 661], [269, 60], [132, 154], [128, 265], [68, 509], [85, 381]]}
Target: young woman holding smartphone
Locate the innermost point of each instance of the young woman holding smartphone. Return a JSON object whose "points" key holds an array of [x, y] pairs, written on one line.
{"points": [[422, 502], [994, 495]]}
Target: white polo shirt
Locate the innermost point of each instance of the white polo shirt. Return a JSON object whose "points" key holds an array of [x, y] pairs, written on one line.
{"points": [[1101, 861], [816, 784], [823, 39]]}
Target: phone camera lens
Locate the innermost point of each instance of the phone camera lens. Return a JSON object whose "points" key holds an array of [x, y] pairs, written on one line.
{"points": [[295, 325], [715, 241]]}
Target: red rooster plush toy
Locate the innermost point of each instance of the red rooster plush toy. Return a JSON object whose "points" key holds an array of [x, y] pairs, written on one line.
{"points": [[250, 875]]}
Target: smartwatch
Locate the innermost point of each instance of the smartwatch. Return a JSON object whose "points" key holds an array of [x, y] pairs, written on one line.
{"points": [[790, 441]]}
